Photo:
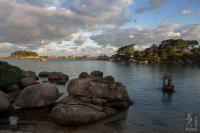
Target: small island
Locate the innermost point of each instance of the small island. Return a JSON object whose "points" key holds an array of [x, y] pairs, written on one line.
{"points": [[23, 53]]}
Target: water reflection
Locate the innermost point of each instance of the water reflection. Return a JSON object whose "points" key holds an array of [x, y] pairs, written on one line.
{"points": [[167, 97]]}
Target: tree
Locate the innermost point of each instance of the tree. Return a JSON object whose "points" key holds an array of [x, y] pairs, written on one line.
{"points": [[126, 51]]}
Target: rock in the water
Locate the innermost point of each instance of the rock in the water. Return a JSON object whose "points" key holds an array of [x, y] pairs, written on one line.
{"points": [[89, 88], [78, 113], [4, 101], [37, 95], [30, 74], [91, 99], [9, 75], [84, 75], [109, 79], [24, 82], [97, 74], [44, 74], [13, 88], [58, 77]]}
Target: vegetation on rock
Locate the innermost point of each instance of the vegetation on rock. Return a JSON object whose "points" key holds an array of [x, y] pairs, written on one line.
{"points": [[9, 74]]}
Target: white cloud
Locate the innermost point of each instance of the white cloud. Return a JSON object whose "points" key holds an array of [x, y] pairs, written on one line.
{"points": [[186, 12]]}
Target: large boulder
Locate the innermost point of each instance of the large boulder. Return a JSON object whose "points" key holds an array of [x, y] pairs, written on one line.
{"points": [[4, 101], [91, 98], [58, 77], [30, 74], [97, 89], [43, 74], [37, 95], [75, 112], [9, 75]]}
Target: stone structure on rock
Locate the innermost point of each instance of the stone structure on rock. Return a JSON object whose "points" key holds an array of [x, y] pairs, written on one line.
{"points": [[167, 83], [91, 99]]}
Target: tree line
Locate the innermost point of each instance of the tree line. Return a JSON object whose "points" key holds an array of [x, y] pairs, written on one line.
{"points": [[171, 50]]}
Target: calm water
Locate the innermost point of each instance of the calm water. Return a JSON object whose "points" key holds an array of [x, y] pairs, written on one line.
{"points": [[152, 111]]}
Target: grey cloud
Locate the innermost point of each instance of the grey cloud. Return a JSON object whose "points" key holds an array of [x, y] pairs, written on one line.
{"points": [[30, 23], [153, 4], [144, 37]]}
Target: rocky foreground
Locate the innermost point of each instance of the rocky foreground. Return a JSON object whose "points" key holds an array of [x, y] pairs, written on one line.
{"points": [[91, 97]]}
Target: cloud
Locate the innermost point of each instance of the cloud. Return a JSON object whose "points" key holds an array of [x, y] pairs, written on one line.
{"points": [[199, 12], [55, 48], [152, 4], [30, 21], [186, 12], [191, 32], [139, 35], [144, 37]]}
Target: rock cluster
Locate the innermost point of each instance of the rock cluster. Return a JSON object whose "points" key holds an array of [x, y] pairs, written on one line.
{"points": [[91, 98]]}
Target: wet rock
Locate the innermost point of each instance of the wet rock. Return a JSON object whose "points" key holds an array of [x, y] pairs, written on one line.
{"points": [[58, 77], [43, 74], [97, 74], [78, 113], [37, 96], [4, 101], [30, 74], [24, 82], [84, 75]]}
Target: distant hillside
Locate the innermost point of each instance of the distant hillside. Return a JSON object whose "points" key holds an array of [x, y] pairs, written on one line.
{"points": [[23, 53]]}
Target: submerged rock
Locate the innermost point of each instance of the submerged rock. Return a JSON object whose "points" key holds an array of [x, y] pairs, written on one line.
{"points": [[58, 77], [43, 74], [37, 96]]}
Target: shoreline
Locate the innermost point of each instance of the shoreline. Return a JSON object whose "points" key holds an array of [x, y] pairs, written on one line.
{"points": [[93, 58]]}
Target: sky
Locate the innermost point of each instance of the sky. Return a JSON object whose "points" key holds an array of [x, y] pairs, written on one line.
{"points": [[79, 27]]}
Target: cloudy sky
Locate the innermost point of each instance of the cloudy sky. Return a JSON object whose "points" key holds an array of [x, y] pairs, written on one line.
{"points": [[65, 27]]}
